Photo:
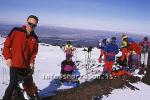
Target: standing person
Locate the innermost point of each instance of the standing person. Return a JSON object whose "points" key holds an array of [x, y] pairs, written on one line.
{"points": [[89, 50], [124, 47], [124, 50], [132, 48], [101, 46], [145, 45], [20, 50], [111, 50], [69, 49]]}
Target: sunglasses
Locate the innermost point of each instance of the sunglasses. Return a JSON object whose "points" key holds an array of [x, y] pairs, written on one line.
{"points": [[32, 25]]}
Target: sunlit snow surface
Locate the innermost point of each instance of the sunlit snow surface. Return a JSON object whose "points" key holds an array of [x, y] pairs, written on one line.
{"points": [[47, 68]]}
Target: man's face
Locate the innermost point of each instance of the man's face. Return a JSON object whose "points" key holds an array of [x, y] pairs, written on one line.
{"points": [[31, 24]]}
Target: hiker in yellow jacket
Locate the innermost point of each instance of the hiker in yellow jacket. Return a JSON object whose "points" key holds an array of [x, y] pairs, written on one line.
{"points": [[124, 46], [69, 49], [124, 41]]}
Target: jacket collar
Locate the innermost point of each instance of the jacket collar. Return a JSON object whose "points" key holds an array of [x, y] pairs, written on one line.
{"points": [[24, 28]]}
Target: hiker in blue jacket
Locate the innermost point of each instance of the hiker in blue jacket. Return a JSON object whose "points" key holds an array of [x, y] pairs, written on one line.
{"points": [[111, 49]]}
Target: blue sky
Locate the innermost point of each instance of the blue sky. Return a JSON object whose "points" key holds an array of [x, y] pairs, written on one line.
{"points": [[117, 15]]}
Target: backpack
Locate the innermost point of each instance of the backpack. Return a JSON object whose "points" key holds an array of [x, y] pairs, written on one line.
{"points": [[134, 46], [68, 68]]}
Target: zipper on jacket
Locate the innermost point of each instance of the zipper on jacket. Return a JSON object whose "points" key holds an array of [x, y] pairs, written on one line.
{"points": [[24, 49]]}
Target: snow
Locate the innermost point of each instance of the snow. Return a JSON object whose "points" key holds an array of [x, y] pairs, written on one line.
{"points": [[47, 68], [128, 94]]}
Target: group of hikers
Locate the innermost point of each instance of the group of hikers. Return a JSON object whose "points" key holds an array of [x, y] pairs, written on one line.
{"points": [[21, 47], [134, 55]]}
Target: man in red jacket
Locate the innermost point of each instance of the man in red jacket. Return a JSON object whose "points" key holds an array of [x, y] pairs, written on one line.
{"points": [[20, 50]]}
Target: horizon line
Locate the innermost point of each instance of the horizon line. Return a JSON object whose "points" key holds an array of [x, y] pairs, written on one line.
{"points": [[91, 29]]}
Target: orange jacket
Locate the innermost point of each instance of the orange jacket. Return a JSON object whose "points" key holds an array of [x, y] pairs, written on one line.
{"points": [[20, 47]]}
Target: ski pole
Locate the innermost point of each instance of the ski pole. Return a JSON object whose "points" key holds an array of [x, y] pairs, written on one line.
{"points": [[85, 57], [3, 82], [5, 74], [86, 65], [88, 59], [2, 67], [6, 77], [3, 71], [75, 55]]}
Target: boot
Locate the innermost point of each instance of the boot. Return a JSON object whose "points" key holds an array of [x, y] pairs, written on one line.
{"points": [[105, 75], [141, 71]]}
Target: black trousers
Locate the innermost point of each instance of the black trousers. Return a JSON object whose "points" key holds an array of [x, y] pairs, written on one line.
{"points": [[14, 81]]}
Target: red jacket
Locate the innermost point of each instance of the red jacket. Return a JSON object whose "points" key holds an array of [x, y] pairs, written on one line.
{"points": [[20, 47], [134, 46]]}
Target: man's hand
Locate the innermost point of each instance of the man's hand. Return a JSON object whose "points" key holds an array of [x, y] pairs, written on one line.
{"points": [[8, 62], [32, 66]]}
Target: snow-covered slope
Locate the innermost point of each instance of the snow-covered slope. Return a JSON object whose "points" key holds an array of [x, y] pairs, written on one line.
{"points": [[47, 67], [127, 94]]}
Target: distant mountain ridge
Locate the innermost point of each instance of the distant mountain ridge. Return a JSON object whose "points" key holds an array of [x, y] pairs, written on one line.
{"points": [[59, 35]]}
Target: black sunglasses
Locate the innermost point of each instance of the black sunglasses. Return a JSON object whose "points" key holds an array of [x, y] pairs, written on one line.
{"points": [[32, 25]]}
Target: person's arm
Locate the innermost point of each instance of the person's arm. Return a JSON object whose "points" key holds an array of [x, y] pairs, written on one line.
{"points": [[7, 45], [62, 65], [65, 48], [148, 46], [141, 43], [7, 48], [33, 56], [124, 44], [74, 66], [74, 49], [99, 44], [124, 51], [105, 48], [117, 49]]}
